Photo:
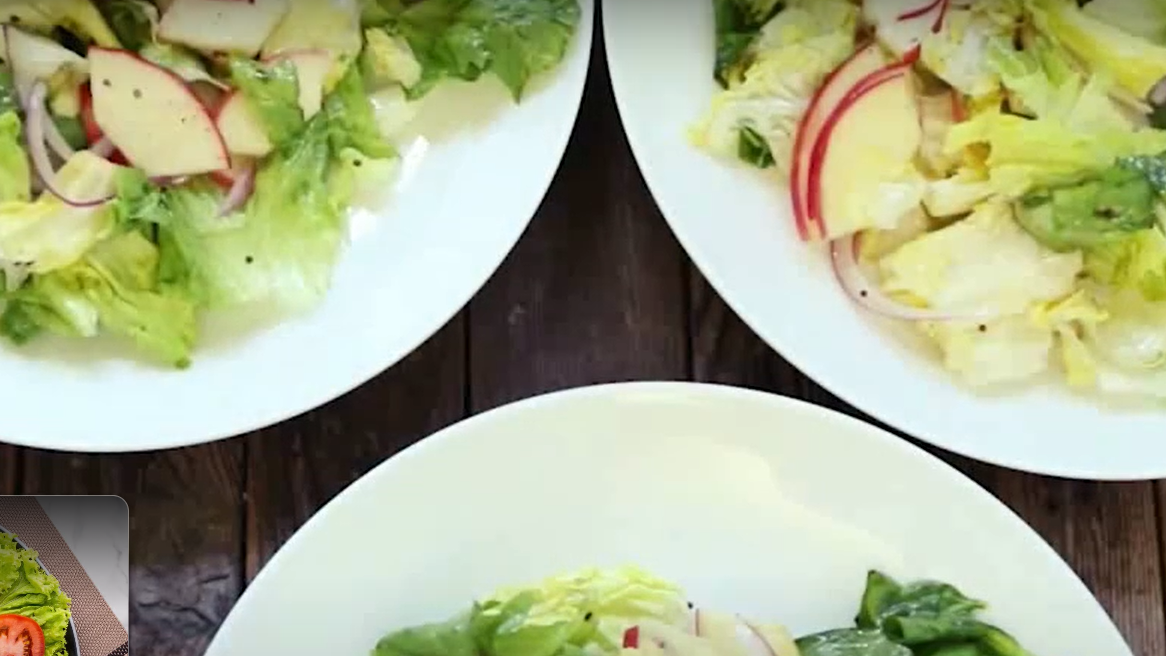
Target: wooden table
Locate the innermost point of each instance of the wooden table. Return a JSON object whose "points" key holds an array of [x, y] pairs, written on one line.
{"points": [[597, 291]]}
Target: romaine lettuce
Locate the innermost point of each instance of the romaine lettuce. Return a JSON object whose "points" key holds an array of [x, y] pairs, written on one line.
{"points": [[15, 176], [513, 39]]}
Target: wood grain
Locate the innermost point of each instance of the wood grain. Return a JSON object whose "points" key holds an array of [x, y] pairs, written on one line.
{"points": [[9, 463], [297, 466], [594, 292], [1106, 532], [185, 535]]}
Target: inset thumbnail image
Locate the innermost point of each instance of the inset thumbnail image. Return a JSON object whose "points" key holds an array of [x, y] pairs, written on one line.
{"points": [[64, 576]]}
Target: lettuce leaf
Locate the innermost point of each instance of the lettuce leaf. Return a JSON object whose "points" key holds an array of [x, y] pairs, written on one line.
{"points": [[273, 92], [1025, 153], [48, 234], [1136, 263], [562, 616], [738, 24], [464, 39], [26, 589], [80, 17], [1144, 18], [114, 288], [132, 21], [1135, 62], [15, 177], [352, 119], [755, 120], [8, 99], [1103, 209]]}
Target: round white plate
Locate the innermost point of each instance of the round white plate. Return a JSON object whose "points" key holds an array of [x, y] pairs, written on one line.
{"points": [[736, 226], [754, 503], [407, 270]]}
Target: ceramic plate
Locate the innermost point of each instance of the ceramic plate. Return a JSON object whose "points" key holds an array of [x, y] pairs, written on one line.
{"points": [[736, 225], [755, 503], [462, 204]]}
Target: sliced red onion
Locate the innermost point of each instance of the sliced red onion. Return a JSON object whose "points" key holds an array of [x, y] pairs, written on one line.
{"points": [[755, 644], [22, 93], [37, 116], [240, 191], [56, 140], [103, 148], [843, 254], [919, 11]]}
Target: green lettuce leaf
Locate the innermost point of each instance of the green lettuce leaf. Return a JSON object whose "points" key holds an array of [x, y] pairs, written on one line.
{"points": [[80, 17], [464, 39], [850, 642], [1103, 209], [1136, 263], [1024, 154], [132, 21], [1144, 18], [114, 288], [738, 24], [15, 177], [352, 121], [1135, 62], [8, 99], [26, 589], [562, 616], [755, 120], [273, 92]]}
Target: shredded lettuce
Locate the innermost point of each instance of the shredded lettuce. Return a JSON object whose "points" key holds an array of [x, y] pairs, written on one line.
{"points": [[132, 21]]}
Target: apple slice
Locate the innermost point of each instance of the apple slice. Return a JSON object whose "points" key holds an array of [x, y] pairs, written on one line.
{"points": [[862, 63], [152, 117], [873, 130], [236, 26], [312, 68], [242, 132]]}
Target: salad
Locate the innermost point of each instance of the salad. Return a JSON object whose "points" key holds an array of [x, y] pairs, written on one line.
{"points": [[628, 612], [992, 172], [34, 612], [161, 159]]}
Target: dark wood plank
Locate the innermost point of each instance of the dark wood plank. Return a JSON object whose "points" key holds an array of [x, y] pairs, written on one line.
{"points": [[9, 464], [185, 535], [594, 292], [1106, 532], [295, 467]]}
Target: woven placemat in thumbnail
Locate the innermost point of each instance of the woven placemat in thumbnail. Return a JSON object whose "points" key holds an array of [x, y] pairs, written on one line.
{"points": [[98, 630]]}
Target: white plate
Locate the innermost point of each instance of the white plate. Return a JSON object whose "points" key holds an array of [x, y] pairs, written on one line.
{"points": [[754, 503], [736, 226], [408, 269]]}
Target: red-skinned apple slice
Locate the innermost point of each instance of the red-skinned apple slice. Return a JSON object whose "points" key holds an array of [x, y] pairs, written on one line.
{"points": [[873, 130], [222, 25], [863, 62], [242, 132], [152, 117]]}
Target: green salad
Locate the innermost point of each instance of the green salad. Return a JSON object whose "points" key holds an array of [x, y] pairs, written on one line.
{"points": [[629, 612], [160, 159], [992, 172], [27, 591]]}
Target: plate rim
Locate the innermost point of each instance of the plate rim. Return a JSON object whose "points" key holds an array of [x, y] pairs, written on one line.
{"points": [[902, 421], [467, 428], [178, 437]]}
